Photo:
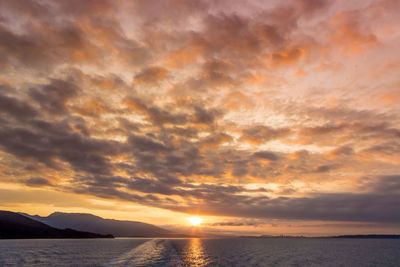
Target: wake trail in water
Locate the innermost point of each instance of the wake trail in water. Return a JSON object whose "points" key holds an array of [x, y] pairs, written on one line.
{"points": [[155, 252]]}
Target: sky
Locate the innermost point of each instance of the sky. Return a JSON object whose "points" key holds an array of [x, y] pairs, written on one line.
{"points": [[259, 116]]}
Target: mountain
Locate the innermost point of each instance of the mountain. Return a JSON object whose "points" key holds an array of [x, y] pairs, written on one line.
{"points": [[14, 225], [89, 222]]}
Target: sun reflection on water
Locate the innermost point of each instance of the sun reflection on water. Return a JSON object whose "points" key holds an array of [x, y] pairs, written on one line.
{"points": [[194, 254]]}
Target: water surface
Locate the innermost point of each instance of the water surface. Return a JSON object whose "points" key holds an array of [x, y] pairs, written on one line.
{"points": [[201, 252]]}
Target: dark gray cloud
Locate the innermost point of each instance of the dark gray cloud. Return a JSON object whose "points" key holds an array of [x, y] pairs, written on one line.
{"points": [[202, 115], [323, 168], [343, 150], [388, 148], [260, 134], [54, 96], [237, 223], [80, 152], [37, 181], [379, 204], [16, 108], [266, 155], [388, 184], [151, 75], [146, 144], [48, 141], [369, 207], [153, 113]]}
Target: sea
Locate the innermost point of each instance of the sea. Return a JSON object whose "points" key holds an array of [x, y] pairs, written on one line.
{"points": [[200, 252]]}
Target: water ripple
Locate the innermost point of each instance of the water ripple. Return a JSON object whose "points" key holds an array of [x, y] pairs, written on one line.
{"points": [[155, 252]]}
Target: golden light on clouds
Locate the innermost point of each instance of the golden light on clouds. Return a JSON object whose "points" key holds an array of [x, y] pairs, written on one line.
{"points": [[246, 112]]}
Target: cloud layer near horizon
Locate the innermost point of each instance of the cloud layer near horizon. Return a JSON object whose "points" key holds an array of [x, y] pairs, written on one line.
{"points": [[253, 110]]}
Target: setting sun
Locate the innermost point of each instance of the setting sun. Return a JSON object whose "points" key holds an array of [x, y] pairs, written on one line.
{"points": [[195, 221]]}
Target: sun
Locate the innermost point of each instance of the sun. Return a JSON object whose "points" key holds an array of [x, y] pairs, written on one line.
{"points": [[195, 221]]}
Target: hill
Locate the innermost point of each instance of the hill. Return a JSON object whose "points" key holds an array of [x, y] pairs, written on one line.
{"points": [[14, 225], [89, 222]]}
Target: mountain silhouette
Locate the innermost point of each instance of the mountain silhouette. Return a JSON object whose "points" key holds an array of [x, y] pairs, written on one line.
{"points": [[89, 222], [14, 225]]}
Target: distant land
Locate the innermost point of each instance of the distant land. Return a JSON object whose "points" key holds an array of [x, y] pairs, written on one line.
{"points": [[89, 222], [14, 225], [377, 236], [84, 225], [368, 236]]}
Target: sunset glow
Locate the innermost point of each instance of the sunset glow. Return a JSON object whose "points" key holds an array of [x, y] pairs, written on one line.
{"points": [[261, 116]]}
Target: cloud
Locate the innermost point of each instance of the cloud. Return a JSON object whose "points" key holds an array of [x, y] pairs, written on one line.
{"points": [[151, 75], [153, 113], [266, 155], [237, 223], [342, 151], [54, 96], [202, 115], [323, 168], [373, 207], [37, 182], [259, 134], [16, 108]]}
